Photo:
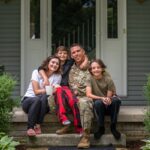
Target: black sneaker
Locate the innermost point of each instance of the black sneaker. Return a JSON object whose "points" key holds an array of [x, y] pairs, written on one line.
{"points": [[115, 133], [99, 133]]}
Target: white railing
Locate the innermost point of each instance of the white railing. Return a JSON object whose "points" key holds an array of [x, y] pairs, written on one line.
{"points": [[83, 34]]}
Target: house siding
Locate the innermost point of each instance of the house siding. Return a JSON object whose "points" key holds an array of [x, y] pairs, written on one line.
{"points": [[10, 39], [138, 46], [138, 51]]}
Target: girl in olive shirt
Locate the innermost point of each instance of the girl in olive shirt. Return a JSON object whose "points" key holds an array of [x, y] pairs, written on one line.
{"points": [[101, 89]]}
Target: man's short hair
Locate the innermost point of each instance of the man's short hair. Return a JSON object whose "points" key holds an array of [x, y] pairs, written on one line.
{"points": [[76, 44]]}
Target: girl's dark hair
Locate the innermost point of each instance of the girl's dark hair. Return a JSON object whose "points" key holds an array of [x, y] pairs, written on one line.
{"points": [[61, 48], [45, 63], [100, 62]]}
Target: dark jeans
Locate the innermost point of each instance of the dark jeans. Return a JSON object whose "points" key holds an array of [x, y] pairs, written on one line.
{"points": [[36, 108], [101, 110]]}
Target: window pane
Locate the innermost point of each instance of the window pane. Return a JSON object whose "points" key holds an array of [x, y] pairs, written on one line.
{"points": [[73, 21], [34, 19], [112, 19]]}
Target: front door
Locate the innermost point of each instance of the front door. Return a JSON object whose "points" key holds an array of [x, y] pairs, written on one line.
{"points": [[98, 25], [113, 41]]}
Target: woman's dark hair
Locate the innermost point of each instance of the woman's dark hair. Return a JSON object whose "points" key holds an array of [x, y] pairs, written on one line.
{"points": [[45, 63], [100, 62]]}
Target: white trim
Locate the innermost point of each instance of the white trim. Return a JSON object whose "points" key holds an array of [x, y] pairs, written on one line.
{"points": [[22, 45], [49, 26], [125, 46], [98, 29]]}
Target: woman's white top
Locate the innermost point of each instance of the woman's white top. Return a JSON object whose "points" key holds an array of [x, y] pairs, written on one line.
{"points": [[54, 79]]}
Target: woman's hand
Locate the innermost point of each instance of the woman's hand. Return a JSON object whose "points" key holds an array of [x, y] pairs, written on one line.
{"points": [[55, 87]]}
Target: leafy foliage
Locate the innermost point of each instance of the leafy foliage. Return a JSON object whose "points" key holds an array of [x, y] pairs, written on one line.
{"points": [[7, 83], [147, 145], [147, 114], [7, 143], [147, 95]]}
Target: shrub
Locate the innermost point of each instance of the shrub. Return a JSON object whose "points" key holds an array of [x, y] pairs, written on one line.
{"points": [[147, 113], [7, 143], [147, 145], [7, 83]]}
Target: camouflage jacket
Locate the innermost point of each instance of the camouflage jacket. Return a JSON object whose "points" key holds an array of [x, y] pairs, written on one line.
{"points": [[78, 79]]}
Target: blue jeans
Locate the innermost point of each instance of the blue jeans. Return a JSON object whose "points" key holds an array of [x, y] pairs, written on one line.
{"points": [[36, 108]]}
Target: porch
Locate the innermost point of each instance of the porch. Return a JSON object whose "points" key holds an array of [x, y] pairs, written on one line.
{"points": [[130, 124]]}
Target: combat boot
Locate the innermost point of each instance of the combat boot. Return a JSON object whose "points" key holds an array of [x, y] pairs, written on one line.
{"points": [[63, 130], [85, 140]]}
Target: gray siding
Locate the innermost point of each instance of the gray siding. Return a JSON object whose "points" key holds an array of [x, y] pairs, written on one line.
{"points": [[10, 39], [138, 45]]}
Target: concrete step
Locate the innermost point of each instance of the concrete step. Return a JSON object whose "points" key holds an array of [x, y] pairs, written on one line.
{"points": [[46, 140], [130, 123], [126, 114]]}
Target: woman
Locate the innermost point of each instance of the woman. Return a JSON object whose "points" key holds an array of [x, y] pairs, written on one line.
{"points": [[102, 90], [35, 102]]}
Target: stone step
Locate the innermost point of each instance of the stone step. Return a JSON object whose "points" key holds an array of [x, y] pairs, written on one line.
{"points": [[126, 114], [130, 123], [46, 140]]}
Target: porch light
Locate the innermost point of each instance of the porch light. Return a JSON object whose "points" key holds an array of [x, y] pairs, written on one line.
{"points": [[140, 1]]}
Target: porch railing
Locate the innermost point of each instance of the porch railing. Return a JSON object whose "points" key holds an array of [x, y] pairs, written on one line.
{"points": [[83, 34]]}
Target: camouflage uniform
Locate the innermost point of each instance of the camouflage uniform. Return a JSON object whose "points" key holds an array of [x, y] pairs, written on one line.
{"points": [[77, 81]]}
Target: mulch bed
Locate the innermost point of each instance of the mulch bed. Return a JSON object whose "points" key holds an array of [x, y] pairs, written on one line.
{"points": [[135, 145]]}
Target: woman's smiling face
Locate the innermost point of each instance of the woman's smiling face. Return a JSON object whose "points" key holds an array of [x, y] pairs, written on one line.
{"points": [[53, 64]]}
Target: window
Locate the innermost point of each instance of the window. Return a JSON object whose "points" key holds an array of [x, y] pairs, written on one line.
{"points": [[112, 19], [34, 19]]}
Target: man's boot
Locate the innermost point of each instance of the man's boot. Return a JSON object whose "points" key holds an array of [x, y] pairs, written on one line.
{"points": [[85, 140], [63, 130], [114, 131]]}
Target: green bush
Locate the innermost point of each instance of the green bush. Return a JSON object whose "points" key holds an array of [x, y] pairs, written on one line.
{"points": [[147, 145], [147, 113], [7, 143], [7, 83]]}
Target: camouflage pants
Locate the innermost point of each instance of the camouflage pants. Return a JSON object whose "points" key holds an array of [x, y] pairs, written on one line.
{"points": [[86, 112]]}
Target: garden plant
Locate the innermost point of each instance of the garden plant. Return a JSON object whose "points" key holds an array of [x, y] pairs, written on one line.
{"points": [[7, 84], [147, 114]]}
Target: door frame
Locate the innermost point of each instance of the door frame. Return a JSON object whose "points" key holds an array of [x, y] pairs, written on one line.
{"points": [[99, 35], [99, 44], [36, 44]]}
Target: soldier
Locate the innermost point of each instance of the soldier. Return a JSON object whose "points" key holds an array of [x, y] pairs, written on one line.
{"points": [[77, 82]]}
